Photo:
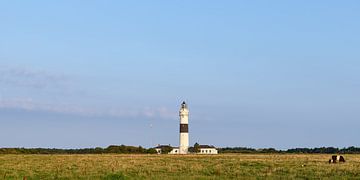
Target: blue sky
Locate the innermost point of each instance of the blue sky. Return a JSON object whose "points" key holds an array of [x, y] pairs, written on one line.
{"points": [[276, 74]]}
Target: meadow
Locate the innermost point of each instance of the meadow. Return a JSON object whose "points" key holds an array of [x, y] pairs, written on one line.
{"points": [[222, 166]]}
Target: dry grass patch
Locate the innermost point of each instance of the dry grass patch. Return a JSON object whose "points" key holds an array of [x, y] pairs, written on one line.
{"points": [[223, 166]]}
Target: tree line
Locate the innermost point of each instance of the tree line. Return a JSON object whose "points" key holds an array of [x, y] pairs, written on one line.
{"points": [[321, 150], [123, 149]]}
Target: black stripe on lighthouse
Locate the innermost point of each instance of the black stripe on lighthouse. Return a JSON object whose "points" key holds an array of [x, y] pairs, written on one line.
{"points": [[184, 128]]}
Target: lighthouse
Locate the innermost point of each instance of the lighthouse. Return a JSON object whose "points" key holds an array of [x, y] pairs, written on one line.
{"points": [[184, 129], [184, 137]]}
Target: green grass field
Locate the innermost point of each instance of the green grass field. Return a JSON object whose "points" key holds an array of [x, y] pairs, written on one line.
{"points": [[224, 166]]}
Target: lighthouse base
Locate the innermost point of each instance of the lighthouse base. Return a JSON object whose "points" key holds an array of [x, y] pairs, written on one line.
{"points": [[184, 143]]}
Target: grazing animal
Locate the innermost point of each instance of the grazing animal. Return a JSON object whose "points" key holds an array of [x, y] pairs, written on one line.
{"points": [[337, 158]]}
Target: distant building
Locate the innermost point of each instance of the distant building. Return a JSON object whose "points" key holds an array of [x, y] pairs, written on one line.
{"points": [[203, 149], [206, 149], [184, 137], [175, 150]]}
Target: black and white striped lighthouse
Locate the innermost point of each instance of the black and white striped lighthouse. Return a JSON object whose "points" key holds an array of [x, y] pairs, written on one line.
{"points": [[184, 129]]}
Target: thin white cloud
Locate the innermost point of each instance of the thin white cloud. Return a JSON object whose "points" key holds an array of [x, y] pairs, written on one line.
{"points": [[26, 77], [39, 79], [29, 104], [162, 112]]}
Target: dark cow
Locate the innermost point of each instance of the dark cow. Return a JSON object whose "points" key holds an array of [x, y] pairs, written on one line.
{"points": [[337, 158]]}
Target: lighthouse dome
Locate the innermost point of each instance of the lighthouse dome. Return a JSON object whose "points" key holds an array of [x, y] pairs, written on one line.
{"points": [[184, 107]]}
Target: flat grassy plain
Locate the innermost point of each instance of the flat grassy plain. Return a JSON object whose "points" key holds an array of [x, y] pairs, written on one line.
{"points": [[222, 166]]}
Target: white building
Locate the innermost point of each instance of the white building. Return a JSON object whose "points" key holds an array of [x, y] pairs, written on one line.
{"points": [[175, 150], [203, 149], [206, 149]]}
